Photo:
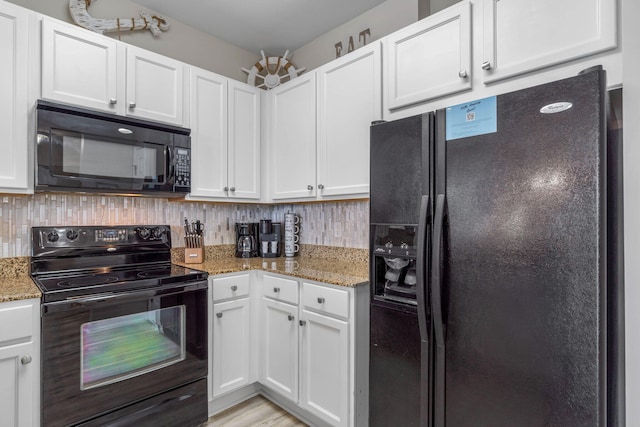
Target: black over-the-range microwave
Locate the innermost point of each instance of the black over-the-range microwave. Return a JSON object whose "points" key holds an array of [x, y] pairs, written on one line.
{"points": [[88, 151]]}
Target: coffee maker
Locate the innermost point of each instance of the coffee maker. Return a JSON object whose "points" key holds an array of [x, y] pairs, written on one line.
{"points": [[270, 239], [246, 239]]}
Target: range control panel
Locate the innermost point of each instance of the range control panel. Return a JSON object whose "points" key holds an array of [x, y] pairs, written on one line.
{"points": [[78, 237], [183, 167]]}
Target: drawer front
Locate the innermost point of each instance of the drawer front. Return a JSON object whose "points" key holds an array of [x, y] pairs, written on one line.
{"points": [[230, 287], [281, 289], [16, 322], [326, 300]]}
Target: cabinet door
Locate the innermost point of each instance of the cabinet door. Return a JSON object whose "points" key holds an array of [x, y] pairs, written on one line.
{"points": [[293, 139], [154, 86], [208, 110], [14, 108], [280, 355], [522, 36], [429, 59], [231, 345], [244, 141], [324, 367], [80, 67], [349, 99], [16, 392]]}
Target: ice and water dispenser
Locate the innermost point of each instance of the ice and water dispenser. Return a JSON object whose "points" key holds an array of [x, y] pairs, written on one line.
{"points": [[394, 263]]}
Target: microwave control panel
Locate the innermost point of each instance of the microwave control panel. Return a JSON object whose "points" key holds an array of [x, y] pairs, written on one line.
{"points": [[183, 167]]}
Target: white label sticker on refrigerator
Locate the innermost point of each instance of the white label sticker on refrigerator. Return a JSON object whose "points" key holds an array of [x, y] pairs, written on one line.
{"points": [[472, 118]]}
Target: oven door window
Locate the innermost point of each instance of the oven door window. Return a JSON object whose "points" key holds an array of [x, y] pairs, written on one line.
{"points": [[123, 347], [85, 156]]}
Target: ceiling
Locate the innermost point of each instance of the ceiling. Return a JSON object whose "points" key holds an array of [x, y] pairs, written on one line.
{"points": [[272, 25]]}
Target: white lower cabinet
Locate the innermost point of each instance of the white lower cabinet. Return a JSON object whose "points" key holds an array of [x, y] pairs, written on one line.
{"points": [[19, 363]]}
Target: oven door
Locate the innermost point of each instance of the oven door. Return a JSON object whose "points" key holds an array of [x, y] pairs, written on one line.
{"points": [[105, 352]]}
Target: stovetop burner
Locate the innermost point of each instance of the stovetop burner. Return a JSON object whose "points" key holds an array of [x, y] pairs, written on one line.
{"points": [[74, 262]]}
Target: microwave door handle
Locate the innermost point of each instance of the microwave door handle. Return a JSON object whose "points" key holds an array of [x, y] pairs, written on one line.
{"points": [[170, 170]]}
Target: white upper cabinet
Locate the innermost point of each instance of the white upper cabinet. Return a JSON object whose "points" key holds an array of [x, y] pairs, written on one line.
{"points": [[429, 59], [244, 141], [522, 35], [154, 86], [225, 138], [349, 99], [14, 108], [293, 139], [87, 69], [208, 134]]}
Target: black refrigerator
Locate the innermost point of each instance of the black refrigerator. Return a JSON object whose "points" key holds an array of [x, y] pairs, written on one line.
{"points": [[495, 263]]}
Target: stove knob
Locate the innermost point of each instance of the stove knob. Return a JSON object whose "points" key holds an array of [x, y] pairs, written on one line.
{"points": [[157, 233], [143, 232], [72, 234], [53, 237]]}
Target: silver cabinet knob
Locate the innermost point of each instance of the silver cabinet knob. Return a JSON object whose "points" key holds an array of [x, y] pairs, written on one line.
{"points": [[225, 189], [219, 315], [309, 187], [234, 288], [113, 101], [463, 74], [303, 322], [26, 360], [132, 105], [320, 300], [486, 65], [232, 189], [290, 317], [276, 290], [320, 186]]}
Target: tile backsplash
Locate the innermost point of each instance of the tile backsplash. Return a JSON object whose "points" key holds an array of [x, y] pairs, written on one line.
{"points": [[342, 224]]}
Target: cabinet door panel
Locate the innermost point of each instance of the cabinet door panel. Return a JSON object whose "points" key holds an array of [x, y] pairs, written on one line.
{"points": [[231, 345], [208, 110], [14, 108], [522, 36], [154, 86], [280, 356], [79, 67], [349, 99], [293, 139], [324, 368], [244, 141], [429, 59], [16, 392]]}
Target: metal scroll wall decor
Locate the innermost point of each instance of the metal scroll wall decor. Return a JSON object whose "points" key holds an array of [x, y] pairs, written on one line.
{"points": [[271, 71], [154, 23]]}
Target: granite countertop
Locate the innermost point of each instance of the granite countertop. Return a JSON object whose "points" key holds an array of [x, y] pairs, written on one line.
{"points": [[15, 282], [338, 266]]}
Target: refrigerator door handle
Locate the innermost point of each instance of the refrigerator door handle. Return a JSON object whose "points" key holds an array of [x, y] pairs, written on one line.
{"points": [[421, 268], [436, 277]]}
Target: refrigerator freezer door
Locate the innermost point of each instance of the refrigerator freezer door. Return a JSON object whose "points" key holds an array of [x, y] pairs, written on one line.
{"points": [[523, 282]]}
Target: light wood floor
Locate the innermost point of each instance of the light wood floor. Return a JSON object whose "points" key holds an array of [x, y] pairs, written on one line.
{"points": [[256, 411]]}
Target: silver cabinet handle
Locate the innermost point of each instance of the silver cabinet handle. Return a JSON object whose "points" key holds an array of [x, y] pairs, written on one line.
{"points": [[486, 65], [303, 322], [132, 105], [225, 189], [290, 317], [276, 290], [219, 315], [26, 360], [463, 74], [113, 101], [320, 300], [232, 189], [320, 186], [234, 288], [309, 187]]}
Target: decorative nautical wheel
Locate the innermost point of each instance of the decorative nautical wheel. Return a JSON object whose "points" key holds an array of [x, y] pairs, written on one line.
{"points": [[270, 71]]}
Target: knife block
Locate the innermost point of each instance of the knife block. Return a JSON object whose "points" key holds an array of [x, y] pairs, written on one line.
{"points": [[193, 255]]}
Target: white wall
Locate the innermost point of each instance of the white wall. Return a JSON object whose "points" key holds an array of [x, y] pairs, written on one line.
{"points": [[631, 156], [181, 42], [381, 20]]}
